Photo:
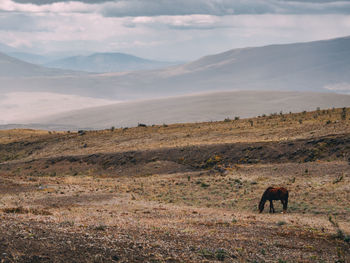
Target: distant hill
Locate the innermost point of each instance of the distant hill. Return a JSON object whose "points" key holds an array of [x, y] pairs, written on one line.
{"points": [[107, 62], [14, 68], [30, 58], [312, 66], [194, 108]]}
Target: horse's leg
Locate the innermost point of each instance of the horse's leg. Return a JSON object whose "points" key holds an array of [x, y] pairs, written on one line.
{"points": [[285, 204], [282, 201], [271, 207]]}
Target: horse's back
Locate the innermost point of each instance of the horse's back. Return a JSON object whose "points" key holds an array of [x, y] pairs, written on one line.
{"points": [[276, 193]]}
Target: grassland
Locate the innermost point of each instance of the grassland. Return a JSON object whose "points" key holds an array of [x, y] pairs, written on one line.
{"points": [[178, 193]]}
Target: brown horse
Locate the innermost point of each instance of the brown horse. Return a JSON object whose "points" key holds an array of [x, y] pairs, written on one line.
{"points": [[274, 193]]}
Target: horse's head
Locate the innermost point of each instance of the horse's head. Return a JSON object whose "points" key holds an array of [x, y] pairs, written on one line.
{"points": [[261, 205]]}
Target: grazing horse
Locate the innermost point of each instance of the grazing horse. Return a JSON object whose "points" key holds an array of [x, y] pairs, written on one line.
{"points": [[274, 193]]}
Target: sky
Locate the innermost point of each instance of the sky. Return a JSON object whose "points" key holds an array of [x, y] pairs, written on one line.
{"points": [[177, 30]]}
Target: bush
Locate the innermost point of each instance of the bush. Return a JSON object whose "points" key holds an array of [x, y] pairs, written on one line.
{"points": [[343, 114], [81, 132], [281, 223]]}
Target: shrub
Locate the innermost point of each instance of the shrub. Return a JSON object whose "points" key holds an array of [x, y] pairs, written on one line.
{"points": [[204, 185], [101, 227], [81, 132], [338, 179], [220, 254], [216, 159], [343, 114], [281, 223]]}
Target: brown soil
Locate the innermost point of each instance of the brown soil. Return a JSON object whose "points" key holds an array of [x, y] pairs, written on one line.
{"points": [[178, 193]]}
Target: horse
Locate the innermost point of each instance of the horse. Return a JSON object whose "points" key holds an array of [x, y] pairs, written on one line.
{"points": [[274, 193]]}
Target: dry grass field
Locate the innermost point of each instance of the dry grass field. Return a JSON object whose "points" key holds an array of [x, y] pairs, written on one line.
{"points": [[179, 193]]}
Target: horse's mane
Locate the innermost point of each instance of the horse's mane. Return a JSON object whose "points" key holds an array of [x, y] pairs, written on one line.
{"points": [[267, 191]]}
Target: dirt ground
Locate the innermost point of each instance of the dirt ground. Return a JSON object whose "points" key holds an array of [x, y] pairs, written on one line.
{"points": [[178, 193]]}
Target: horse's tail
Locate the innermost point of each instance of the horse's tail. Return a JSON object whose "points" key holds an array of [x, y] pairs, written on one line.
{"points": [[285, 203]]}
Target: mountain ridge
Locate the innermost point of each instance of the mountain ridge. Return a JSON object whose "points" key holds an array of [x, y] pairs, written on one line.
{"points": [[310, 66], [107, 62]]}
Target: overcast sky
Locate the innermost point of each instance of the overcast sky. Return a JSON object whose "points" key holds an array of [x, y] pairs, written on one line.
{"points": [[167, 29]]}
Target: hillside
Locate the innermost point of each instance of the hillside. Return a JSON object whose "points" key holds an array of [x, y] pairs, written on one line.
{"points": [[195, 108], [30, 58], [179, 192], [107, 62], [14, 68], [313, 66]]}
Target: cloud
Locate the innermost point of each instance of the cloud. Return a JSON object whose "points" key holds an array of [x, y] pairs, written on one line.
{"points": [[165, 37], [195, 22], [167, 29], [134, 8], [59, 7], [20, 22], [44, 2]]}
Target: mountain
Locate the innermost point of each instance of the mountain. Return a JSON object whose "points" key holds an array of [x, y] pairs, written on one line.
{"points": [[107, 62], [193, 108], [312, 66], [29, 57], [12, 69]]}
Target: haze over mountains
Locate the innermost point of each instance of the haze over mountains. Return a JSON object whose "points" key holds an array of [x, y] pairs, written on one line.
{"points": [[313, 66], [107, 62], [193, 108], [12, 68], [319, 66]]}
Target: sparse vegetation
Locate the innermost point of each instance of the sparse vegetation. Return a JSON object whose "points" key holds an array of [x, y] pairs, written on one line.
{"points": [[177, 193], [343, 114]]}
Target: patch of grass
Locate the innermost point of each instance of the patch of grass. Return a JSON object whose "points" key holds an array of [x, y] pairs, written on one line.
{"points": [[217, 254], [204, 185], [101, 228], [221, 254], [281, 223], [338, 179]]}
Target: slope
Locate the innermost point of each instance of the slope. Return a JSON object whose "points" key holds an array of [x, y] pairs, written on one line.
{"points": [[194, 108]]}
